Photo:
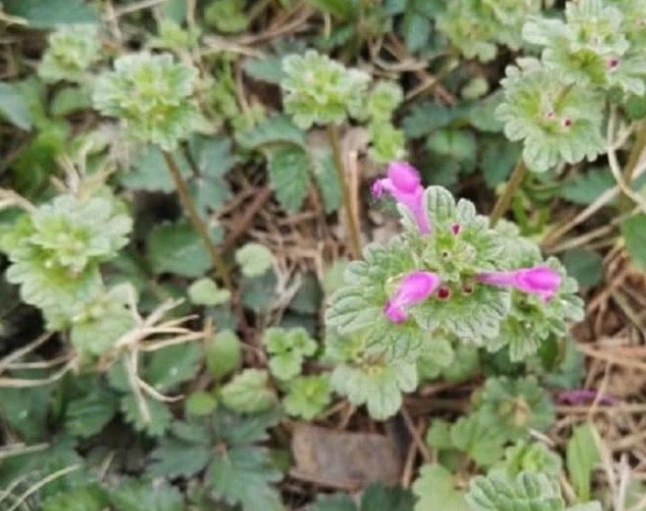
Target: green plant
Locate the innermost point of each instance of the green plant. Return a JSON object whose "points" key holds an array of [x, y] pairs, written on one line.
{"points": [[70, 54], [448, 279]]}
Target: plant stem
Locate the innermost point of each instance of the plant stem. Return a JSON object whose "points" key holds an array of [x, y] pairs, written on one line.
{"points": [[625, 203], [504, 201], [353, 228], [198, 224]]}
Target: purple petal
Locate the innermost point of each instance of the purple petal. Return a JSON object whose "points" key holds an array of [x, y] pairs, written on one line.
{"points": [[413, 290], [405, 186], [541, 281], [404, 177]]}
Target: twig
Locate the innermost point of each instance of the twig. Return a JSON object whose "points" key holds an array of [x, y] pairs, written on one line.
{"points": [[10, 451], [18, 383], [137, 6], [632, 164], [352, 220], [41, 483], [504, 201], [416, 436], [242, 225], [19, 353], [636, 154], [198, 224]]}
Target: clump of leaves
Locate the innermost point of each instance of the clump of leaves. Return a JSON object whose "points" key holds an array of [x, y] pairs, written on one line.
{"points": [[151, 95], [71, 52], [429, 290], [248, 392], [307, 396], [238, 471], [56, 251], [514, 406], [319, 90], [556, 120], [287, 350], [590, 46], [476, 27]]}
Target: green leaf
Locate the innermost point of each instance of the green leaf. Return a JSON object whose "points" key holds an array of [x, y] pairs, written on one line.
{"points": [[328, 183], [259, 293], [248, 392], [466, 364], [70, 100], [99, 324], [235, 430], [582, 456], [267, 69], [243, 476], [307, 396], [177, 248], [205, 291], [531, 457], [379, 385], [227, 16], [200, 404], [435, 489], [148, 171], [586, 266], [51, 13], [333, 503], [288, 170], [457, 144], [275, 130], [426, 118], [483, 443], [254, 259], [342, 9], [159, 419], [25, 410], [528, 491], [168, 367], [141, 495], [13, 106], [288, 349], [86, 416], [90, 498], [584, 189], [497, 161], [417, 30], [634, 232], [223, 354], [178, 458], [379, 498], [514, 406]]}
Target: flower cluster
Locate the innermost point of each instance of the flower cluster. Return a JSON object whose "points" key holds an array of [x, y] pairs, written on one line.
{"points": [[55, 253], [448, 280], [555, 105], [151, 94], [70, 54], [475, 27]]}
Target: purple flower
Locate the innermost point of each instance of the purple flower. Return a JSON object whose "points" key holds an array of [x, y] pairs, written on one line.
{"points": [[405, 186], [413, 289], [540, 280]]}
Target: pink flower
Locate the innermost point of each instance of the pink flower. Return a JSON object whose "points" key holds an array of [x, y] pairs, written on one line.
{"points": [[405, 186], [413, 290], [540, 280]]}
